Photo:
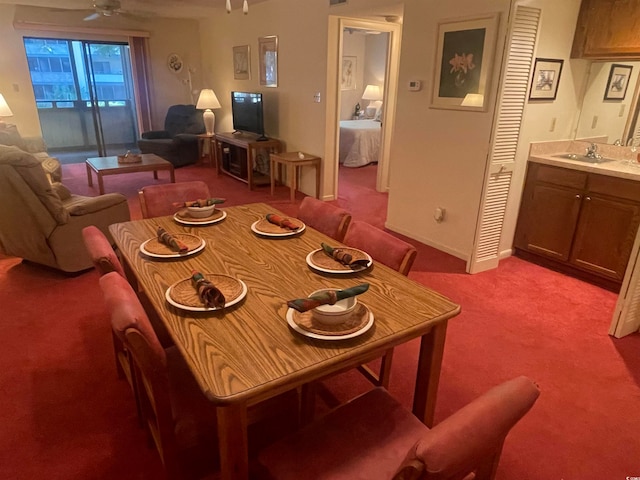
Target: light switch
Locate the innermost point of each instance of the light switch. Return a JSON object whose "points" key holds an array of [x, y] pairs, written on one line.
{"points": [[316, 97]]}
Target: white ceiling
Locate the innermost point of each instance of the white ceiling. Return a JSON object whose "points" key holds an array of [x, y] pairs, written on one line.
{"points": [[164, 8]]}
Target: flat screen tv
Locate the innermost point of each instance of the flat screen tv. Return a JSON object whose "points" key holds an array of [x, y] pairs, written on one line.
{"points": [[246, 109]]}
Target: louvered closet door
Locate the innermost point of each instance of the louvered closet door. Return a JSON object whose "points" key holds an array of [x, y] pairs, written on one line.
{"points": [[626, 317], [513, 96]]}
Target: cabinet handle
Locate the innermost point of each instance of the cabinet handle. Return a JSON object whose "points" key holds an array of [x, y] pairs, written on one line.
{"points": [[578, 195], [587, 198]]}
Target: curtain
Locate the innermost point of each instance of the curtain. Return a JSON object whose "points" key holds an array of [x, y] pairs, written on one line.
{"points": [[139, 47]]}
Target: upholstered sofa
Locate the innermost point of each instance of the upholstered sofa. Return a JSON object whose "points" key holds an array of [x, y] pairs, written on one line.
{"points": [[10, 136], [178, 142], [42, 222]]}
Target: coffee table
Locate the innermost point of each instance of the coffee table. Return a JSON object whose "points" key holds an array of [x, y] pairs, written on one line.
{"points": [[109, 166]]}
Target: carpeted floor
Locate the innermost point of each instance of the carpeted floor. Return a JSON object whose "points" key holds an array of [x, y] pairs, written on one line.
{"points": [[66, 416]]}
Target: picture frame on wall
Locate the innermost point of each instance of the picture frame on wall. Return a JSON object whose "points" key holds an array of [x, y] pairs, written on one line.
{"points": [[545, 79], [618, 82], [241, 63], [464, 62], [268, 55], [349, 72]]}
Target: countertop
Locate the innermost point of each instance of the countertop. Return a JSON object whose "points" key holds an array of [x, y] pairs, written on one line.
{"points": [[623, 165]]}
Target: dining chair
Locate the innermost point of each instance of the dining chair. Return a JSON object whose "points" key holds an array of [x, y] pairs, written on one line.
{"points": [[392, 252], [324, 217], [374, 437], [157, 200], [180, 420]]}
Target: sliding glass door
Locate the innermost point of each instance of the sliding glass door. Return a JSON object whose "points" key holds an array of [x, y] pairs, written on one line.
{"points": [[85, 96]]}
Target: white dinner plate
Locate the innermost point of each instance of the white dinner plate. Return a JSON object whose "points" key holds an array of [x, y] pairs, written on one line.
{"points": [[191, 308], [330, 270], [173, 254], [317, 336], [284, 234], [186, 221]]}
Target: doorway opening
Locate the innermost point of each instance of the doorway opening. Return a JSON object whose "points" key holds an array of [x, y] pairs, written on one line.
{"points": [[85, 96]]}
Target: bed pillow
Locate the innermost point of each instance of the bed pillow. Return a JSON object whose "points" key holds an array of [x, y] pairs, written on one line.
{"points": [[378, 115]]}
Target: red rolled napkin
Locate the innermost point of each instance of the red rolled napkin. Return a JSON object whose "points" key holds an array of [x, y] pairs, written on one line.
{"points": [[201, 202], [208, 294], [170, 241], [328, 297], [343, 257], [282, 221]]}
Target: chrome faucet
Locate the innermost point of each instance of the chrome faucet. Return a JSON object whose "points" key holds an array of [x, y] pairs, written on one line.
{"points": [[592, 151]]}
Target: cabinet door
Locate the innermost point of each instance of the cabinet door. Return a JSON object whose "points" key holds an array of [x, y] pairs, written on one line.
{"points": [[548, 220], [604, 236]]}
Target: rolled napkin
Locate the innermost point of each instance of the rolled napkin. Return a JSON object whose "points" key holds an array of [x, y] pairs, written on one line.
{"points": [[201, 202], [326, 298], [208, 294], [170, 241], [343, 257], [282, 221]]}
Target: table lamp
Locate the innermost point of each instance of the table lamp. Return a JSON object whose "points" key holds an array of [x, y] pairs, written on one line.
{"points": [[373, 94], [208, 100], [5, 111]]}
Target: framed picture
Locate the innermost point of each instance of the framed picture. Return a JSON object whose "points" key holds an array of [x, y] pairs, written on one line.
{"points": [[546, 78], [174, 63], [618, 82], [241, 63], [464, 59], [268, 49], [349, 71]]}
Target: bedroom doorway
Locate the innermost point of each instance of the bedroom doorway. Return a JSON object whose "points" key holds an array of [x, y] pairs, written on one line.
{"points": [[350, 70]]}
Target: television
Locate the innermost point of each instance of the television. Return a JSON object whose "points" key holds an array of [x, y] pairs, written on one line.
{"points": [[246, 109]]}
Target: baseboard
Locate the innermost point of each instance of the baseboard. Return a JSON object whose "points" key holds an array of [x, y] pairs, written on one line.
{"points": [[428, 242]]}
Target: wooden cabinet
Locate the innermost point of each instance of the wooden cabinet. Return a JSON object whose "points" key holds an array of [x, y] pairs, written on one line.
{"points": [[245, 157], [607, 29], [578, 222]]}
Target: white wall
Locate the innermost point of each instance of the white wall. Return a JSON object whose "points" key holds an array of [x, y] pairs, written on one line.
{"points": [[353, 45]]}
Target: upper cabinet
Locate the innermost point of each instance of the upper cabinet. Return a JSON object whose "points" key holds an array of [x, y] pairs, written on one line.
{"points": [[607, 29]]}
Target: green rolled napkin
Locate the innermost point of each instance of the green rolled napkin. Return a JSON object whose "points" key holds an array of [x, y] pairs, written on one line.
{"points": [[343, 257], [170, 241], [208, 293], [326, 298], [201, 202]]}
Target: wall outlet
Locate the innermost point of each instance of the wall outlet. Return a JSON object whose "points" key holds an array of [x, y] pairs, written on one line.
{"points": [[594, 122], [316, 97], [439, 214], [553, 124]]}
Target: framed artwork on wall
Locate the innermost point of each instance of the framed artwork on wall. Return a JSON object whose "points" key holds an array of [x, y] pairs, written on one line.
{"points": [[174, 63], [546, 78], [241, 63], [464, 61], [268, 52], [618, 82], [349, 71]]}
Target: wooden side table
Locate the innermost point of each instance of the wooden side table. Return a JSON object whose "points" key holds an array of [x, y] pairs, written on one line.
{"points": [[292, 161], [203, 139]]}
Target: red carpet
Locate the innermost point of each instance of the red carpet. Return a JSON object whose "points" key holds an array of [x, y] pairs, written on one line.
{"points": [[66, 416]]}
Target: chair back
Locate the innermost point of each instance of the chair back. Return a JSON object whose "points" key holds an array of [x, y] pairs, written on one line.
{"points": [[382, 246], [324, 217], [157, 200], [184, 119], [101, 252], [468, 444], [131, 324]]}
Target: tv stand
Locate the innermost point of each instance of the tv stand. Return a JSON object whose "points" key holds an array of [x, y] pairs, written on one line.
{"points": [[237, 153]]}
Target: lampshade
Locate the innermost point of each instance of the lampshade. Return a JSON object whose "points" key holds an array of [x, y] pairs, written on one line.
{"points": [[5, 111], [473, 100], [208, 100], [372, 92]]}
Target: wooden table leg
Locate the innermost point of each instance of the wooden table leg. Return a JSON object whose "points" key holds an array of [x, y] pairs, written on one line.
{"points": [[89, 178], [172, 174], [100, 183], [272, 176], [428, 374], [155, 174], [293, 174], [318, 180], [232, 438]]}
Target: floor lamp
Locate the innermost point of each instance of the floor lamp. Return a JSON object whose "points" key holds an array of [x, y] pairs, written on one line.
{"points": [[208, 101]]}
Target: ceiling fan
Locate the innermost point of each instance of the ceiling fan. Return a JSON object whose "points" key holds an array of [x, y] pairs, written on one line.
{"points": [[108, 8]]}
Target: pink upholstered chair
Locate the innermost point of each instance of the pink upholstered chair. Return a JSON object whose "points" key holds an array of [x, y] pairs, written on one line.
{"points": [[324, 217], [374, 437], [180, 419], [392, 252], [157, 200], [101, 252], [382, 246]]}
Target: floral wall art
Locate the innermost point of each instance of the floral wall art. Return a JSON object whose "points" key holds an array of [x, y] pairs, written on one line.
{"points": [[463, 63]]}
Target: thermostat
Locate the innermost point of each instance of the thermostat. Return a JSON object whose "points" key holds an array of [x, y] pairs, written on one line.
{"points": [[414, 85]]}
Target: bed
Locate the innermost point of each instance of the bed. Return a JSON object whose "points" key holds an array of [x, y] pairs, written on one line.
{"points": [[359, 142]]}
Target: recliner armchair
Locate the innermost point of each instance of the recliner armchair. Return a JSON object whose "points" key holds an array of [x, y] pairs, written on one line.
{"points": [[178, 142], [42, 222]]}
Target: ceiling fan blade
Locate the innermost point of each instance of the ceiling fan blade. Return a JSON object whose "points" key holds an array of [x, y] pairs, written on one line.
{"points": [[93, 16]]}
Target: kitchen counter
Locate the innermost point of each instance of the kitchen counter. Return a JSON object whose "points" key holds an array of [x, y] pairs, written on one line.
{"points": [[620, 166]]}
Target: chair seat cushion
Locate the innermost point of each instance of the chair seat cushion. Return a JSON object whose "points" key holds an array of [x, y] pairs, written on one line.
{"points": [[382, 428]]}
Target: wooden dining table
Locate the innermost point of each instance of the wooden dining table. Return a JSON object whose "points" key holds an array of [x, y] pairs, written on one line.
{"points": [[248, 352]]}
